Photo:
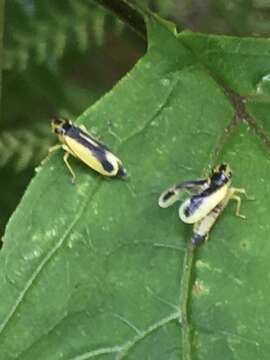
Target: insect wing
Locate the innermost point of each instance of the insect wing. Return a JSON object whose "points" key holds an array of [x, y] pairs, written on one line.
{"points": [[84, 133], [92, 153], [171, 195], [198, 206]]}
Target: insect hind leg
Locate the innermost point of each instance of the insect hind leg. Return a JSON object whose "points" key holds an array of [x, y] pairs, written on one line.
{"points": [[243, 191], [238, 206], [233, 196]]}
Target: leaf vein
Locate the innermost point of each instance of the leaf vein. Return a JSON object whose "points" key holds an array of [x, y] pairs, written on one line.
{"points": [[44, 262]]}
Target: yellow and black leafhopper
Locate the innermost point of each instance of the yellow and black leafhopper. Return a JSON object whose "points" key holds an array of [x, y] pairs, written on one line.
{"points": [[77, 141], [208, 197]]}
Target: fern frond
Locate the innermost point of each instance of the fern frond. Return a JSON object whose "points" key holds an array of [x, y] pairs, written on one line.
{"points": [[24, 147], [42, 34], [41, 30]]}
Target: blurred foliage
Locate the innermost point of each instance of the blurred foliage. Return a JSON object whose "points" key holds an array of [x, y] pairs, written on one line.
{"points": [[41, 31], [62, 55], [25, 146], [232, 17]]}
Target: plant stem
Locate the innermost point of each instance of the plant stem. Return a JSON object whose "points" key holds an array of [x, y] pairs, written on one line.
{"points": [[184, 293], [129, 13]]}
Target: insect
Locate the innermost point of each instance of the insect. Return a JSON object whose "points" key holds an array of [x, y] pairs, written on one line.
{"points": [[208, 197], [78, 142]]}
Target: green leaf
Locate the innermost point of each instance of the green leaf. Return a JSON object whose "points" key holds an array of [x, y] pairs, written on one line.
{"points": [[97, 270]]}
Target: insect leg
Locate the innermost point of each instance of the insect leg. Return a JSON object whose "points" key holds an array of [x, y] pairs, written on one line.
{"points": [[238, 206], [52, 149], [55, 147], [243, 191], [171, 195], [65, 158]]}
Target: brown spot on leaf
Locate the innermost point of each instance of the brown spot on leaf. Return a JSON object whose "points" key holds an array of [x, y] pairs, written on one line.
{"points": [[199, 289]]}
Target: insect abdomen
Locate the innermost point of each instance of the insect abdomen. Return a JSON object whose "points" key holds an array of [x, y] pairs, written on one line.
{"points": [[202, 228]]}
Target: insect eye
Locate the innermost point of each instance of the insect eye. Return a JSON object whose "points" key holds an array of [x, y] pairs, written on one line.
{"points": [[58, 129], [222, 167], [57, 122]]}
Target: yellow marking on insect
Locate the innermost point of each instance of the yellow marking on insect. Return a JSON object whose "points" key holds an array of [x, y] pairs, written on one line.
{"points": [[76, 141]]}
